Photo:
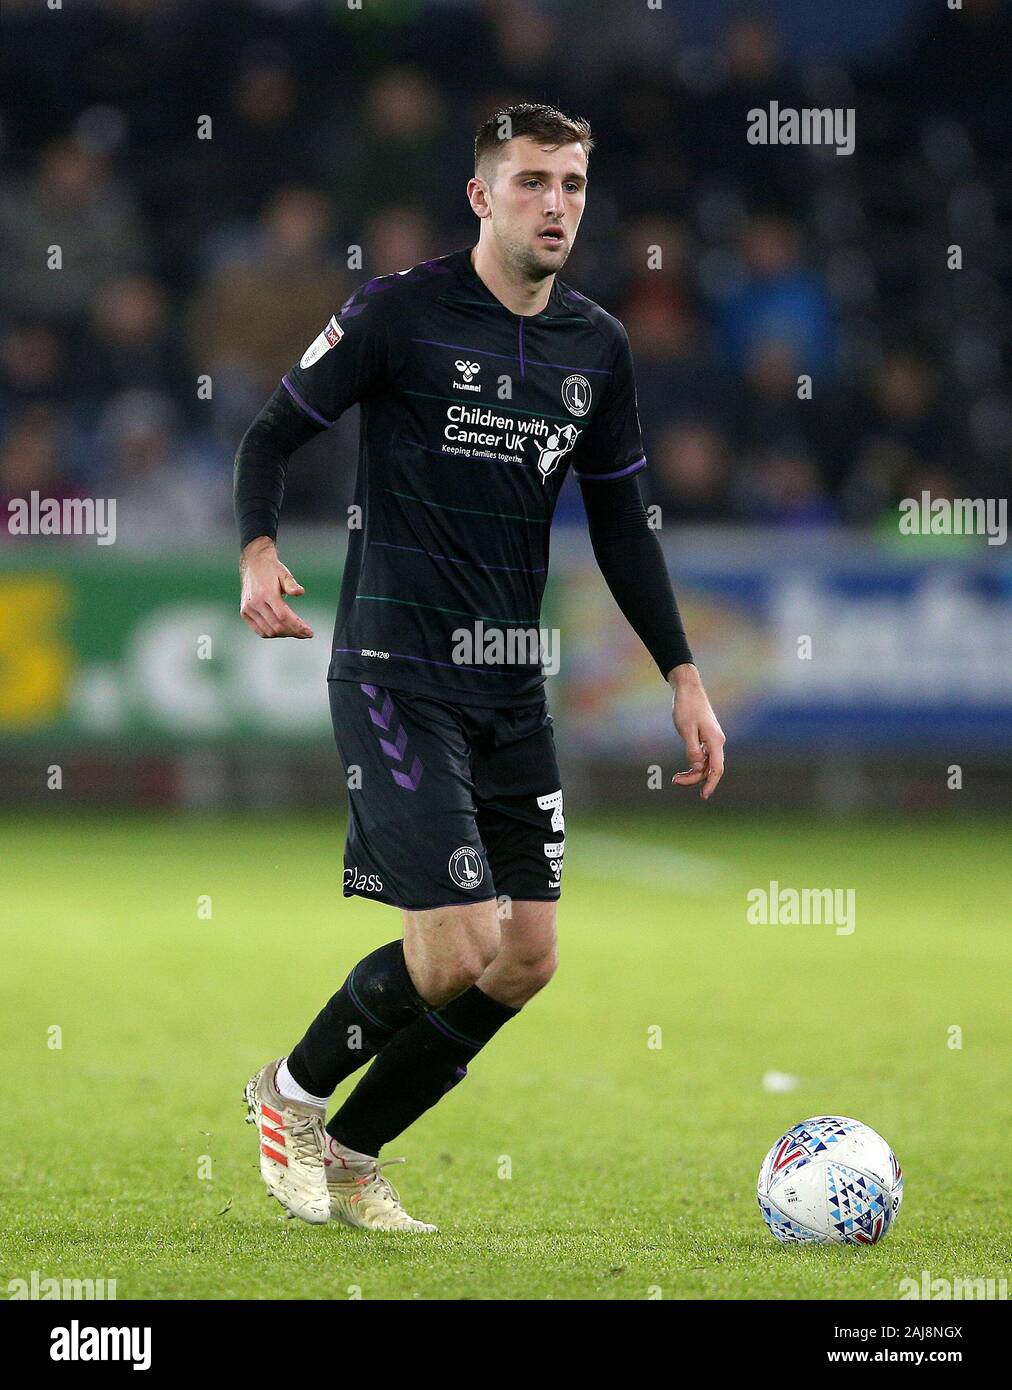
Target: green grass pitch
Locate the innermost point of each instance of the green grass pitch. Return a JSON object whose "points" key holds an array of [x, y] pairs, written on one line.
{"points": [[575, 1161]]}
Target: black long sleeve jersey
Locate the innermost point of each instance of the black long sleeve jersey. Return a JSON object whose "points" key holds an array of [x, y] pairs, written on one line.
{"points": [[471, 416]]}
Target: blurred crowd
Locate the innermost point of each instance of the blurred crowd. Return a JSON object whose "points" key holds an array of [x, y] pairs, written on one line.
{"points": [[194, 271]]}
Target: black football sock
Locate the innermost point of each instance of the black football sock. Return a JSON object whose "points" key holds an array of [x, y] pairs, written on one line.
{"points": [[416, 1069], [376, 1000]]}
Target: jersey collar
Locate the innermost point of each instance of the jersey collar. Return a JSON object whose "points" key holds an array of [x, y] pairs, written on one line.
{"points": [[475, 283]]}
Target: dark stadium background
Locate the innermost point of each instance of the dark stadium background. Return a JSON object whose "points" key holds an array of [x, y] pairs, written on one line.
{"points": [[187, 259], [171, 803]]}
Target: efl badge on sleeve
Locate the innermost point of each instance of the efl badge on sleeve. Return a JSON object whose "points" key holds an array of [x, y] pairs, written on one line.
{"points": [[330, 337]]}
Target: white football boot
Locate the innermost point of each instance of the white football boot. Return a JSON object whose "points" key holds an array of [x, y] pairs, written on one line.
{"points": [[361, 1196], [291, 1147]]}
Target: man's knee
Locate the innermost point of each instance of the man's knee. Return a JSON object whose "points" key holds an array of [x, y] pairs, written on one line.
{"points": [[464, 967], [517, 974], [534, 971], [449, 949]]}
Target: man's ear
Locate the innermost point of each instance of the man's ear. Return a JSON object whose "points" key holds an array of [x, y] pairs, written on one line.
{"points": [[485, 190]]}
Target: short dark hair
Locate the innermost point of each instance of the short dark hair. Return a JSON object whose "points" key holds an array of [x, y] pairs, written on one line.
{"points": [[543, 124]]}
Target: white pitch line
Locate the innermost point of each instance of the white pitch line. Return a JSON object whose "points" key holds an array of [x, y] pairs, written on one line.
{"points": [[612, 857]]}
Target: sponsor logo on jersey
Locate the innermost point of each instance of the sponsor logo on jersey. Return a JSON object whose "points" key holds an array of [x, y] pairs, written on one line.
{"points": [[477, 431], [368, 651], [576, 394], [555, 447], [468, 370], [330, 337], [466, 868]]}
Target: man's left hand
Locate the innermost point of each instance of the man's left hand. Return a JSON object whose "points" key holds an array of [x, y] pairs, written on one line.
{"points": [[697, 724]]}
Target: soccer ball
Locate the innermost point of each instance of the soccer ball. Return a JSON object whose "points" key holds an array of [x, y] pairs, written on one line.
{"points": [[830, 1180]]}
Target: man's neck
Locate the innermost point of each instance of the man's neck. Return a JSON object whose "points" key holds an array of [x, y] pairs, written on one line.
{"points": [[519, 296]]}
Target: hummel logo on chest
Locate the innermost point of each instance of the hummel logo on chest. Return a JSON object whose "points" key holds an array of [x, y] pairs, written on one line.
{"points": [[468, 370]]}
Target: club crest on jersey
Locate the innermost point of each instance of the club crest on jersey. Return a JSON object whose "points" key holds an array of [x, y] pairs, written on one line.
{"points": [[576, 394], [468, 370], [466, 868], [555, 447], [330, 337]]}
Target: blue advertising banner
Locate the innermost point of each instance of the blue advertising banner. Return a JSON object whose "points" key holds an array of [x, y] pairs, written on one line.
{"points": [[805, 641]]}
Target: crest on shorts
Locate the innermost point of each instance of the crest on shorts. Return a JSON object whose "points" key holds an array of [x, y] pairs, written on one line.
{"points": [[466, 868]]}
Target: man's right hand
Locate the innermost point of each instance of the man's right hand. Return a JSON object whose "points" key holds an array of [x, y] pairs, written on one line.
{"points": [[265, 582]]}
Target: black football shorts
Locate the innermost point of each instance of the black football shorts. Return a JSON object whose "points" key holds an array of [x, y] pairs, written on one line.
{"points": [[448, 803]]}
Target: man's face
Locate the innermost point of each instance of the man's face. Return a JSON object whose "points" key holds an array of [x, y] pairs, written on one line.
{"points": [[535, 203]]}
